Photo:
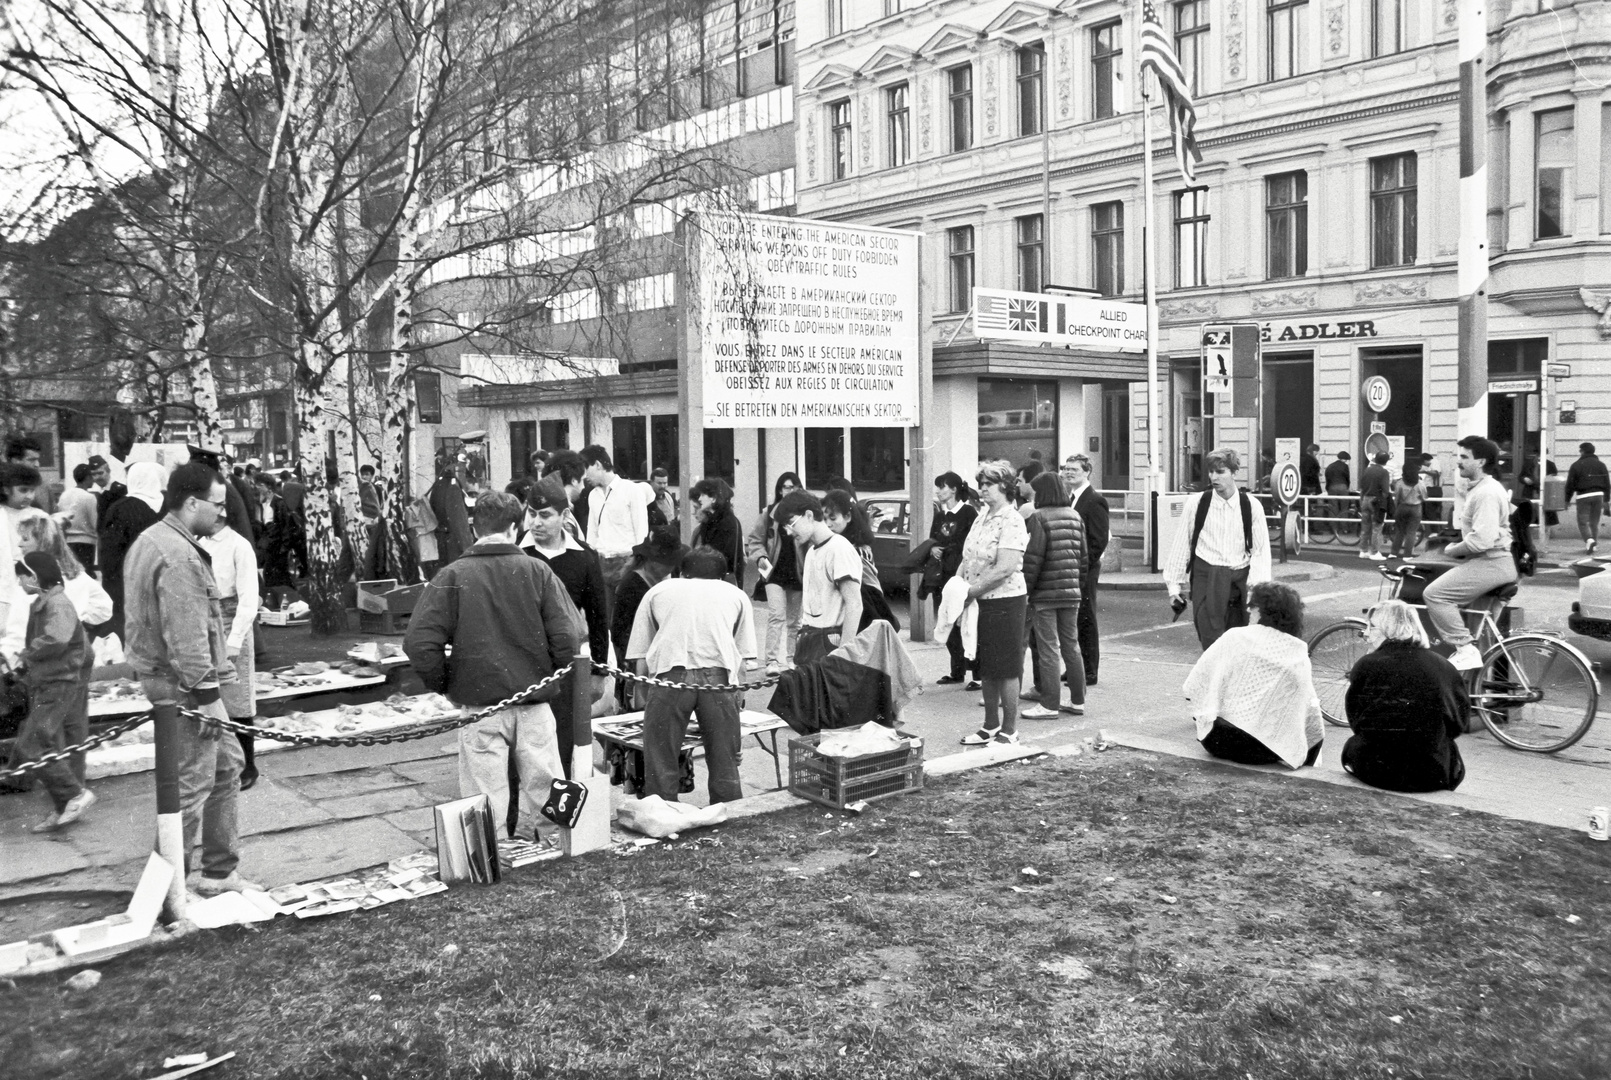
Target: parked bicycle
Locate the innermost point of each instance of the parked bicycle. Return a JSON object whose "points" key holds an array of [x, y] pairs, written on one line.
{"points": [[1534, 691], [1332, 517]]}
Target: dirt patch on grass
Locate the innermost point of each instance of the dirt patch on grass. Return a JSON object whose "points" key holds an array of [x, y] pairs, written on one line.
{"points": [[1176, 924]]}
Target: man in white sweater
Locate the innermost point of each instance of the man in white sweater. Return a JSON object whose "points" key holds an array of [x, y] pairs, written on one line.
{"points": [[1484, 550]]}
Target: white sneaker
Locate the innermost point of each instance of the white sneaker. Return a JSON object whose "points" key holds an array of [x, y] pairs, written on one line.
{"points": [[1466, 658], [1364, 555], [1038, 712], [1589, 545], [75, 807], [1378, 556]]}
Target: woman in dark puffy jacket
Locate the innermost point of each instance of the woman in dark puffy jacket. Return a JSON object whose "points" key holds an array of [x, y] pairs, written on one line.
{"points": [[1052, 565]]}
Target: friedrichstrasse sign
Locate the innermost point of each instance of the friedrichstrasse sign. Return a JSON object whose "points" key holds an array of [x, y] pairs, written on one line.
{"points": [[806, 323]]}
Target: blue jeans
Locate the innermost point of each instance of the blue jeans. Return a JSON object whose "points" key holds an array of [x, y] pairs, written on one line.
{"points": [[665, 722]]}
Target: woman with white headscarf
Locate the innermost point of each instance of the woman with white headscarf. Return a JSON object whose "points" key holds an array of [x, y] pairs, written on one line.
{"points": [[126, 519]]}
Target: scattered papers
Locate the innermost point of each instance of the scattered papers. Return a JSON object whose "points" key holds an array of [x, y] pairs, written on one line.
{"points": [[231, 909], [1574, 919], [84, 980]]}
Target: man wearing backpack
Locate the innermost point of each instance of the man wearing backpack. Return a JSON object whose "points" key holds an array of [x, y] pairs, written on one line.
{"points": [[1222, 551]]}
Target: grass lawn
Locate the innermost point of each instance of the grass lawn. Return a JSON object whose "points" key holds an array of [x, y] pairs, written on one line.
{"points": [[1184, 920]]}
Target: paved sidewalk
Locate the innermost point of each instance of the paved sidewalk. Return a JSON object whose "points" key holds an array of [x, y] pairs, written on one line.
{"points": [[328, 810]]}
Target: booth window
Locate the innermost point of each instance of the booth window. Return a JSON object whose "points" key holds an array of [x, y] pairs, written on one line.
{"points": [[522, 441], [630, 435], [663, 449], [824, 455], [877, 459], [554, 434], [1016, 418], [719, 454]]}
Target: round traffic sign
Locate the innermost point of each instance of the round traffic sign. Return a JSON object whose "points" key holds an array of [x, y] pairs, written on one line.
{"points": [[1287, 482], [1377, 392]]}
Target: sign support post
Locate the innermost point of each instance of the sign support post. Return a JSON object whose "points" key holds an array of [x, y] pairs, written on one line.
{"points": [[920, 467], [690, 374]]}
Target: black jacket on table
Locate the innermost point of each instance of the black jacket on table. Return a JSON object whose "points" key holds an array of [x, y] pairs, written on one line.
{"points": [[1054, 561], [1092, 506], [1406, 704], [507, 619]]}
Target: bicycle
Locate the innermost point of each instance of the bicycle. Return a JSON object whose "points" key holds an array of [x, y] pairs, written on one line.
{"points": [[1533, 691], [1333, 517]]}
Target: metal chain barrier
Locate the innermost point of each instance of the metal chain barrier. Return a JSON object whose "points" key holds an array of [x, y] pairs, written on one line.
{"points": [[425, 731], [88, 744], [650, 680]]}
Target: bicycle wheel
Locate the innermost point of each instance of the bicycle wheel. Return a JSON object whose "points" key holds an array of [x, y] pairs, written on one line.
{"points": [[1347, 526], [1332, 655], [1536, 693], [1319, 525]]}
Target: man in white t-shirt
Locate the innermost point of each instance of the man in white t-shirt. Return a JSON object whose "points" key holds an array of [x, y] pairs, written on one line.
{"points": [[696, 630], [617, 517], [830, 595]]}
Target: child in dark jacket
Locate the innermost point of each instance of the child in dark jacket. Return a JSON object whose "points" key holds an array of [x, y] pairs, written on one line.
{"points": [[53, 662]]}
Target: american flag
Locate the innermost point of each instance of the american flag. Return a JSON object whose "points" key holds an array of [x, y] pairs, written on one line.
{"points": [[990, 312], [1158, 53]]}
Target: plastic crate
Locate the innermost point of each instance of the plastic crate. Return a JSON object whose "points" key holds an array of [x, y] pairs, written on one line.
{"points": [[839, 782]]}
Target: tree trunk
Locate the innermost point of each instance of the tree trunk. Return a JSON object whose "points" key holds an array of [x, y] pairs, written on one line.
{"points": [[324, 597]]}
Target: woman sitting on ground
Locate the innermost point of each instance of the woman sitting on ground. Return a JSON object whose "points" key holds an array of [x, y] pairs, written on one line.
{"points": [[1253, 692], [1406, 705]]}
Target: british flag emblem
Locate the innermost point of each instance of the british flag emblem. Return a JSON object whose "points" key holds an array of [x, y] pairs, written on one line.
{"points": [[1027, 316]]}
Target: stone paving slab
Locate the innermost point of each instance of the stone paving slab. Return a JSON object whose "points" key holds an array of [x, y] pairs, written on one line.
{"points": [[305, 854], [348, 782], [430, 771], [420, 824], [318, 760], [20, 861], [271, 806], [379, 803]]}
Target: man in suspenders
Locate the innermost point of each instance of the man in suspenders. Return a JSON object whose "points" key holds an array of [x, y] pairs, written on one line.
{"points": [[1222, 551]]}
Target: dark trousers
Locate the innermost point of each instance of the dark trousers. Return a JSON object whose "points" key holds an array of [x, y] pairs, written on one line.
{"points": [[1233, 744], [1090, 651], [44, 731], [1218, 599], [85, 554], [813, 643], [665, 722], [960, 665]]}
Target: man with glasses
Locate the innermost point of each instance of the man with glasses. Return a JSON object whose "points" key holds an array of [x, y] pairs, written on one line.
{"points": [[178, 647]]}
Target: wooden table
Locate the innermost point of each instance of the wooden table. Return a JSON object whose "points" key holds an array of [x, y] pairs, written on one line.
{"points": [[625, 730]]}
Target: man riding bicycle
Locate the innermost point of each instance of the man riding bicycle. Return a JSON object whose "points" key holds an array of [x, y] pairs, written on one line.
{"points": [[1485, 562]]}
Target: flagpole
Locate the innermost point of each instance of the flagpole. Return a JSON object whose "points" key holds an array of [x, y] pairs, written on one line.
{"points": [[1154, 480]]}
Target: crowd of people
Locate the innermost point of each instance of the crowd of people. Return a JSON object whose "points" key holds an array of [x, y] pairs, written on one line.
{"points": [[577, 557]]}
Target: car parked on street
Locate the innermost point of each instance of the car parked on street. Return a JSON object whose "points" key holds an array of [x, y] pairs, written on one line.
{"points": [[890, 515]]}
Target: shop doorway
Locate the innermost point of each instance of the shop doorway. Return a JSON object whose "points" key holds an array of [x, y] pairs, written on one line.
{"points": [[1401, 367], [1514, 415], [1115, 438]]}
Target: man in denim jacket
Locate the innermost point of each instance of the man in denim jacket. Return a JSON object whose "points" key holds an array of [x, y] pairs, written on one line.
{"points": [[178, 647]]}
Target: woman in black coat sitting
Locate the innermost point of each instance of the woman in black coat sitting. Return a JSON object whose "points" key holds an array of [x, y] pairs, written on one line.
{"points": [[1406, 705]]}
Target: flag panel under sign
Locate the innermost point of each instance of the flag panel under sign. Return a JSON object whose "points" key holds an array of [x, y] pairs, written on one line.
{"points": [[1074, 322]]}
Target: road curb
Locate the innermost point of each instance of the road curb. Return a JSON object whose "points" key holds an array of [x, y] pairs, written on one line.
{"points": [[1295, 572]]}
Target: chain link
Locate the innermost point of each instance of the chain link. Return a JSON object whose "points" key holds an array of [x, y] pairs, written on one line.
{"points": [[88, 744], [650, 680], [425, 731]]}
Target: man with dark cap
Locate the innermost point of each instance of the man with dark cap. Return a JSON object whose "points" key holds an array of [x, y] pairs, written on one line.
{"points": [[240, 518], [54, 669], [1339, 476]]}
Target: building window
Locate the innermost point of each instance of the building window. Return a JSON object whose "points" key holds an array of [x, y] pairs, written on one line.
{"points": [[719, 454], [1107, 238], [892, 7], [1553, 152], [1392, 210], [554, 434], [1032, 89], [1107, 49], [522, 441], [1386, 27], [1286, 220], [877, 459], [1605, 168], [428, 396], [1191, 238], [1031, 229], [1287, 32], [630, 438], [961, 88], [1191, 40], [898, 110], [959, 252], [663, 450], [824, 455], [836, 17], [839, 132]]}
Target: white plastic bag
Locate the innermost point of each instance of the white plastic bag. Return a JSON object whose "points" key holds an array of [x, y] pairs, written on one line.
{"points": [[655, 816], [108, 650]]}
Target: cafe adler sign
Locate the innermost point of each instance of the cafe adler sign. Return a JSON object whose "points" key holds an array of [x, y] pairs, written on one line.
{"points": [[1271, 333]]}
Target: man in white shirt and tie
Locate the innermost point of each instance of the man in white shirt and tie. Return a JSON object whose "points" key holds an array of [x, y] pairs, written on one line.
{"points": [[1222, 550], [617, 517]]}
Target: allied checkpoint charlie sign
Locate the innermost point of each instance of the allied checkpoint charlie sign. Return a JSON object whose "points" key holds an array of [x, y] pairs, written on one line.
{"points": [[806, 323]]}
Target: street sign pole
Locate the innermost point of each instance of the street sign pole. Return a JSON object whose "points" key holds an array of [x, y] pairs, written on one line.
{"points": [[1286, 482]]}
